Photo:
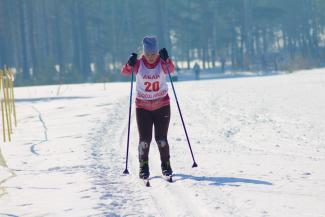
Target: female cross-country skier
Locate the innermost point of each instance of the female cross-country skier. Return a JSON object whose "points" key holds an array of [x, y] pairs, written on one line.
{"points": [[152, 102]]}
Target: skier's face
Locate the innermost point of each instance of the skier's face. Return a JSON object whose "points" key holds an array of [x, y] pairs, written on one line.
{"points": [[151, 58]]}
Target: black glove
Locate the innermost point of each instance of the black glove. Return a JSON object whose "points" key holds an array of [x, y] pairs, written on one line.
{"points": [[163, 54], [133, 59]]}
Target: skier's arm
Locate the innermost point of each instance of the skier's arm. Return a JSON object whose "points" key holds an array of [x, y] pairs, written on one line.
{"points": [[133, 61], [127, 69], [170, 64], [166, 61]]}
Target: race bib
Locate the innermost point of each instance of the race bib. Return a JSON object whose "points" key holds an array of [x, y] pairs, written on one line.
{"points": [[151, 83]]}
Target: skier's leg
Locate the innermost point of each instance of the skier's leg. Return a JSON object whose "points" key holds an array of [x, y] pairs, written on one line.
{"points": [[145, 123], [161, 119]]}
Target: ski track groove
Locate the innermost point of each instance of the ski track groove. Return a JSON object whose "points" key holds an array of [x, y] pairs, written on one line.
{"points": [[111, 145], [225, 201], [174, 192], [33, 147], [135, 179], [102, 144]]}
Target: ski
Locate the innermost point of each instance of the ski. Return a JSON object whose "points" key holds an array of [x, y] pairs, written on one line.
{"points": [[146, 182], [168, 178]]}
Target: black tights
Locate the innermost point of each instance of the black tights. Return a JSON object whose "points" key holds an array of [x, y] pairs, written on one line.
{"points": [[160, 119]]}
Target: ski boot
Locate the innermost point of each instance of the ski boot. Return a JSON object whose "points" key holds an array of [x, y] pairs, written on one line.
{"points": [[144, 170], [166, 169]]}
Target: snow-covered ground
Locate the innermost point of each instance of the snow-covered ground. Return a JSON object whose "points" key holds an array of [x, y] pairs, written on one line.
{"points": [[259, 143]]}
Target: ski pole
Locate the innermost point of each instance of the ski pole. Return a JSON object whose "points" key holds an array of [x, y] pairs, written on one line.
{"points": [[180, 113], [129, 123]]}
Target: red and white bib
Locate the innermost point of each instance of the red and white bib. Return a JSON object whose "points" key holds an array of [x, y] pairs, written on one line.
{"points": [[151, 83]]}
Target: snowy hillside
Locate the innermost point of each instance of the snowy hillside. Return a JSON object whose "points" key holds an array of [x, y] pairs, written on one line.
{"points": [[259, 143]]}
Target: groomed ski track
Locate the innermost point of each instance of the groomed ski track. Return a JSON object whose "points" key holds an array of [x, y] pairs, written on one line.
{"points": [[258, 142]]}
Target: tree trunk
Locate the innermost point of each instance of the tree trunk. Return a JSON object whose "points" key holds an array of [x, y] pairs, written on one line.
{"points": [[24, 39], [59, 54], [81, 50]]}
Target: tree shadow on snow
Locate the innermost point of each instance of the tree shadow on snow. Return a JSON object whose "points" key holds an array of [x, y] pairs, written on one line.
{"points": [[220, 181]]}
